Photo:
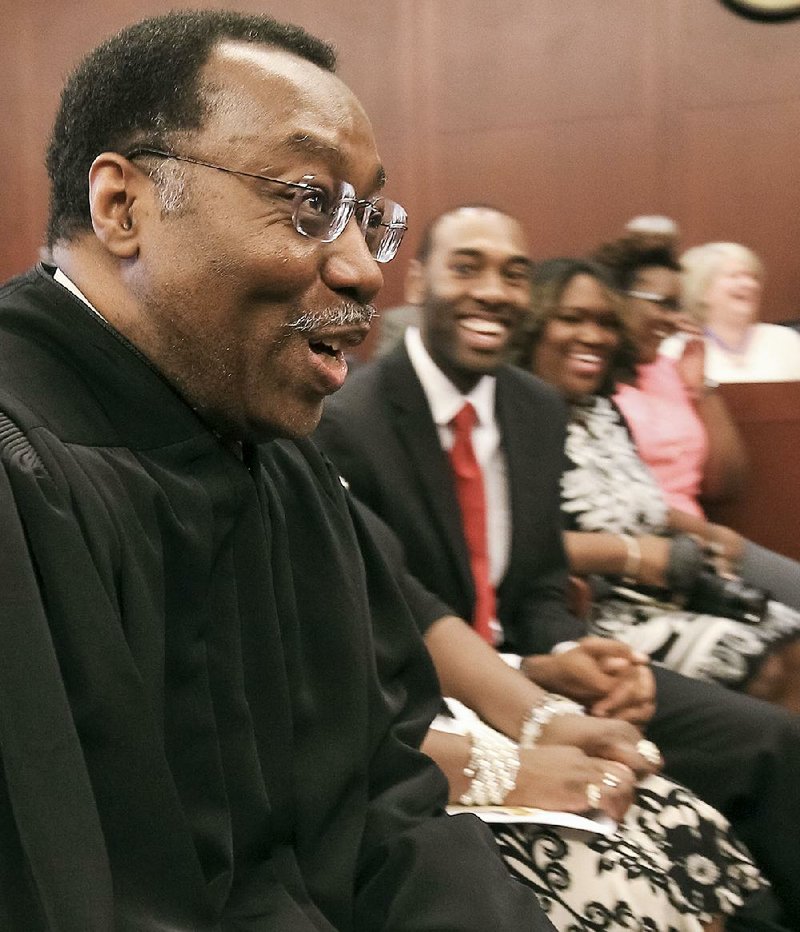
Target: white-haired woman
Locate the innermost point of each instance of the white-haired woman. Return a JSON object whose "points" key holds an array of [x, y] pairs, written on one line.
{"points": [[722, 286]]}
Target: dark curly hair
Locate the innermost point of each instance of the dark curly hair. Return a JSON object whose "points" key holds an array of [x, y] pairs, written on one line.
{"points": [[624, 258], [627, 256], [142, 84], [550, 280]]}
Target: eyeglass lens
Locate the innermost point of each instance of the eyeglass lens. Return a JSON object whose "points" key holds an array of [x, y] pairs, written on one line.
{"points": [[383, 223], [324, 217], [669, 304]]}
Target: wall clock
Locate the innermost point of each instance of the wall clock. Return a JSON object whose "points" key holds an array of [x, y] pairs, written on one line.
{"points": [[765, 10]]}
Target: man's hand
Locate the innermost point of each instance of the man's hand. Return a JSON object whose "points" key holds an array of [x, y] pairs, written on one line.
{"points": [[560, 777], [610, 739], [607, 676], [586, 672], [632, 699]]}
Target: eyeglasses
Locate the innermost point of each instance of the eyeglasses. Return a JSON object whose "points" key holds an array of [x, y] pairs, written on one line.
{"points": [[669, 304], [320, 214]]}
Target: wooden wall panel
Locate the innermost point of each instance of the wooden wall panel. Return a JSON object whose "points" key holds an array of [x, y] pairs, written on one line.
{"points": [[768, 510], [576, 114], [568, 184], [722, 59], [533, 63], [737, 124], [736, 160]]}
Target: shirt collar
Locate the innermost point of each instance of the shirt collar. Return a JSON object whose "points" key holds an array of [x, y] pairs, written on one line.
{"points": [[70, 285], [444, 399]]}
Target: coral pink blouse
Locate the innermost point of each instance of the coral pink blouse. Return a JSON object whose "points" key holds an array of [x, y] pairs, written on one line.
{"points": [[669, 435]]}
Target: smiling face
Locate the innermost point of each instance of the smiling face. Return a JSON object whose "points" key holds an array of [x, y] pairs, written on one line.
{"points": [[650, 322], [247, 317], [473, 287], [578, 341], [733, 295]]}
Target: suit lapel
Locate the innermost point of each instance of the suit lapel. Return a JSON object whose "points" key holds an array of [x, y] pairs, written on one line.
{"points": [[419, 437], [524, 459]]}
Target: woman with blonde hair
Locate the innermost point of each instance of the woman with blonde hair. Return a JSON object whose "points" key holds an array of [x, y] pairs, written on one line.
{"points": [[722, 286]]}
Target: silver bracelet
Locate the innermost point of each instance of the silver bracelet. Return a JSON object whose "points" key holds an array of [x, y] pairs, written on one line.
{"points": [[492, 768], [542, 713]]}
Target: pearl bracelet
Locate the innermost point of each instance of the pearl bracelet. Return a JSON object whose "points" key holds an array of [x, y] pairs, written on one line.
{"points": [[539, 716], [492, 768]]}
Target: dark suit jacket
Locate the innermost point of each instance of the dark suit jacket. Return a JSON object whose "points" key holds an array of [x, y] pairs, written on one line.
{"points": [[379, 432]]}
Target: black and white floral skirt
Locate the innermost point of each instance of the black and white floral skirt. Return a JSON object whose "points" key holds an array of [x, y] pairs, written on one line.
{"points": [[671, 866]]}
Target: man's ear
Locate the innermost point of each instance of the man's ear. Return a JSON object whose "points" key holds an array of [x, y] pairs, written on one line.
{"points": [[415, 283], [115, 184]]}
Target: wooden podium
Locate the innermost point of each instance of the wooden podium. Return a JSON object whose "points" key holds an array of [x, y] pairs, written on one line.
{"points": [[767, 510]]}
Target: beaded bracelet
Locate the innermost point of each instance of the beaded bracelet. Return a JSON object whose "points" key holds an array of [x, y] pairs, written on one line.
{"points": [[542, 713], [492, 768]]}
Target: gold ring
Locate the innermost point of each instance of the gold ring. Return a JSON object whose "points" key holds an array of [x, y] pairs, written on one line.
{"points": [[610, 780], [593, 795], [649, 751]]}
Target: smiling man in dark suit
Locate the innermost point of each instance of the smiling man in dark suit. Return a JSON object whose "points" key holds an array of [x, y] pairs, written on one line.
{"points": [[391, 432]]}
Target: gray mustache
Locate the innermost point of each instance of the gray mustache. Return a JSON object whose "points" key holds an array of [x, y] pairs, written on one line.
{"points": [[344, 315]]}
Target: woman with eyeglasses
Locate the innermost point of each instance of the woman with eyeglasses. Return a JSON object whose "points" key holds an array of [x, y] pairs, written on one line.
{"points": [[680, 423], [655, 587], [682, 427], [722, 286]]}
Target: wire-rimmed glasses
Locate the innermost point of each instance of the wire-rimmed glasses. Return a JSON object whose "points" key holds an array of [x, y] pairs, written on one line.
{"points": [[668, 303], [318, 213]]}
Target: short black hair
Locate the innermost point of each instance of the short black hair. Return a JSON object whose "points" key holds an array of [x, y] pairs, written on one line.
{"points": [[142, 85], [425, 245]]}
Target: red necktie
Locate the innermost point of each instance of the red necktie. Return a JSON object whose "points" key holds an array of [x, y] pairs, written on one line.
{"points": [[471, 498]]}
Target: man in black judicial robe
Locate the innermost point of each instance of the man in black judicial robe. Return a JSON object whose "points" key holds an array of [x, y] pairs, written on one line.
{"points": [[211, 693]]}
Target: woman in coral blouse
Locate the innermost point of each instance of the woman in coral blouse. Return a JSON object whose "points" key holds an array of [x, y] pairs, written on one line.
{"points": [[680, 424]]}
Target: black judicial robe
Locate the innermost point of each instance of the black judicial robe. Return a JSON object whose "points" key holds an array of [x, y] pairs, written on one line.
{"points": [[199, 727]]}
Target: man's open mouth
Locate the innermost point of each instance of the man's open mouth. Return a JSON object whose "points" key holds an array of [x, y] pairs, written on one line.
{"points": [[327, 347]]}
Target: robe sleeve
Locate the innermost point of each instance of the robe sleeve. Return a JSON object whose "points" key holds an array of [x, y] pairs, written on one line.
{"points": [[54, 872], [419, 868], [425, 607]]}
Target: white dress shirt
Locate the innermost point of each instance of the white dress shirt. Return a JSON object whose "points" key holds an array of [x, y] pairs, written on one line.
{"points": [[445, 401], [66, 282]]}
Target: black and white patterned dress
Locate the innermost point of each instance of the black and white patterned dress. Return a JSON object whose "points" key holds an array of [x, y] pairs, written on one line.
{"points": [[671, 866], [606, 487]]}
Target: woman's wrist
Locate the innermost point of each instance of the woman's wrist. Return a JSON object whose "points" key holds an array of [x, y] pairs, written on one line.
{"points": [[542, 713], [723, 543], [492, 767]]}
